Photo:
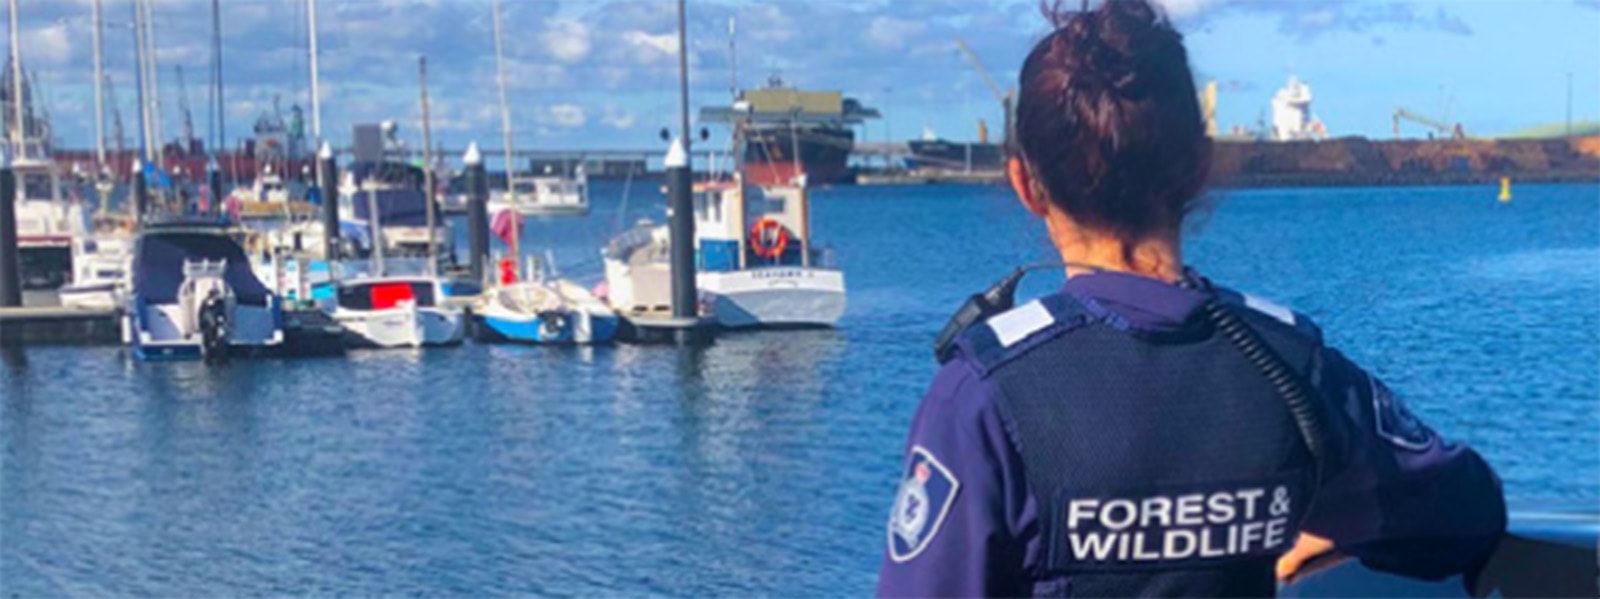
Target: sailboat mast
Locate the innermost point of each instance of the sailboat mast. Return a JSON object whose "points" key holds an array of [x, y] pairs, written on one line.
{"points": [[18, 127], [99, 95], [138, 80], [427, 165], [219, 124], [505, 132], [316, 99], [153, 81]]}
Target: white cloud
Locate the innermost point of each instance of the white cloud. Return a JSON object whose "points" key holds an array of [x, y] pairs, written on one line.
{"points": [[570, 116], [891, 33], [665, 43], [1179, 9], [617, 118], [567, 40], [50, 45]]}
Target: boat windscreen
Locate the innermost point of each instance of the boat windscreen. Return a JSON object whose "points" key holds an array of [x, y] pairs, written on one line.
{"points": [[385, 295], [158, 266], [396, 207]]}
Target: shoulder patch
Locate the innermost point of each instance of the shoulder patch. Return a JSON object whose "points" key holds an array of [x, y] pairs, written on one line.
{"points": [[1395, 423], [926, 492], [1018, 323], [1284, 315]]}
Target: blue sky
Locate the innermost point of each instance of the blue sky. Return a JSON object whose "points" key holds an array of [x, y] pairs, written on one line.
{"points": [[601, 74]]}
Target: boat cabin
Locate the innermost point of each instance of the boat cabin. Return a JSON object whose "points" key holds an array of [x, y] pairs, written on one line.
{"points": [[739, 227]]}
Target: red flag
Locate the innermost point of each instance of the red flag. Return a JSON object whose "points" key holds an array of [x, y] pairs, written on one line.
{"points": [[505, 225]]}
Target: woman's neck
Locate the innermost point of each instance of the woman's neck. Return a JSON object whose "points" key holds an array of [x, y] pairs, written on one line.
{"points": [[1156, 257]]}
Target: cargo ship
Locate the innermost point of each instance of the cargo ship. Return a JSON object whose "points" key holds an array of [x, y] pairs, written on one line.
{"points": [[932, 152], [783, 134]]}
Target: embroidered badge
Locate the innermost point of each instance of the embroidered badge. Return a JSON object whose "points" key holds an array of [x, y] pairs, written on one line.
{"points": [[921, 505], [1395, 423]]}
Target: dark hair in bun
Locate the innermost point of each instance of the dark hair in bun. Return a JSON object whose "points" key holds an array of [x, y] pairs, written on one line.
{"points": [[1109, 122]]}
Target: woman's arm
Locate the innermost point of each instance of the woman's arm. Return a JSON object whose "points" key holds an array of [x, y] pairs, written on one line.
{"points": [[1401, 498], [960, 496]]}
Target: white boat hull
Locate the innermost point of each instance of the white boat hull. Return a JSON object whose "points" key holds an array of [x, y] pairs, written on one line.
{"points": [[98, 296], [786, 296], [403, 327]]}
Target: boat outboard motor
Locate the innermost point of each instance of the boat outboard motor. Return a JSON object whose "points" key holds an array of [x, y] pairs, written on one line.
{"points": [[214, 327], [207, 303]]}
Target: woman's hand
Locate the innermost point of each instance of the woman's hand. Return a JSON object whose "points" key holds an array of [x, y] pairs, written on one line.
{"points": [[1305, 557]]}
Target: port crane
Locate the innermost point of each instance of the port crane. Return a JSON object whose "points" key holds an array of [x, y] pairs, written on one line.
{"points": [[1006, 98], [1401, 114]]}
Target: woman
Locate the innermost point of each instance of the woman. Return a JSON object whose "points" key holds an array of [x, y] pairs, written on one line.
{"points": [[1142, 432]]}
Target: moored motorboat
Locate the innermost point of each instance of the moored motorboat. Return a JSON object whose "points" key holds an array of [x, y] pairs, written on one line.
{"points": [[554, 312], [193, 295], [548, 195], [99, 273], [45, 223], [397, 311]]}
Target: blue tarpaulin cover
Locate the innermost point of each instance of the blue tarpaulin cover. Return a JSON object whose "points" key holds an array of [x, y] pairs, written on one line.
{"points": [[158, 266]]}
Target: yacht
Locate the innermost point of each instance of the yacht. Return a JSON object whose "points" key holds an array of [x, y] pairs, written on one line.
{"points": [[548, 313]]}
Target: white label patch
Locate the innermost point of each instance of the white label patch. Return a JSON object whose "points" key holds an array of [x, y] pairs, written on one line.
{"points": [[1016, 324], [1176, 528], [1281, 313], [926, 492]]}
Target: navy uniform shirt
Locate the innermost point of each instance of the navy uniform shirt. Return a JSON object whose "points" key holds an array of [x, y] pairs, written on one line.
{"points": [[964, 522]]}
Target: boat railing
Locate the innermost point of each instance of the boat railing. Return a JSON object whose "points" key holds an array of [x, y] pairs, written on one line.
{"points": [[193, 269], [392, 267]]}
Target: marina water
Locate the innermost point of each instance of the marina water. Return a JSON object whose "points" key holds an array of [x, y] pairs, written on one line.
{"points": [[761, 465]]}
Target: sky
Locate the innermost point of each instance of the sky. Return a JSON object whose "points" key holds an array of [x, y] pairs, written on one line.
{"points": [[602, 73]]}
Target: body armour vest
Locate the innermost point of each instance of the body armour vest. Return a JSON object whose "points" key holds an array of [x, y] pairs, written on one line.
{"points": [[1163, 463]]}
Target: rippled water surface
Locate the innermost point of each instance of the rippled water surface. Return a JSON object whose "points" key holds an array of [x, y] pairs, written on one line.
{"points": [[763, 464]]}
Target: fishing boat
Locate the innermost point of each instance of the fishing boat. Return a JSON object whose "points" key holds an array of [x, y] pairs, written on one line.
{"points": [[193, 295], [397, 311], [555, 312], [770, 278]]}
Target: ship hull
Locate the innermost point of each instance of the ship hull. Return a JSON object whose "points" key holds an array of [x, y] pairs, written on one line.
{"points": [[824, 153], [955, 156]]}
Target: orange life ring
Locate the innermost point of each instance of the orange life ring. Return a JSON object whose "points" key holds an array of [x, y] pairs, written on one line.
{"points": [[758, 238]]}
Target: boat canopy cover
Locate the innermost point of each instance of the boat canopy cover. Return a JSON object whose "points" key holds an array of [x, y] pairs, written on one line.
{"points": [[158, 266], [622, 247], [396, 207]]}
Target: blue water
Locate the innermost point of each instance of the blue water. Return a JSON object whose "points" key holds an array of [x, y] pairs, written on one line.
{"points": [[764, 464]]}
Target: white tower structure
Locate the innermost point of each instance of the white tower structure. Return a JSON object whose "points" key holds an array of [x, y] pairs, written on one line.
{"points": [[1291, 113]]}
